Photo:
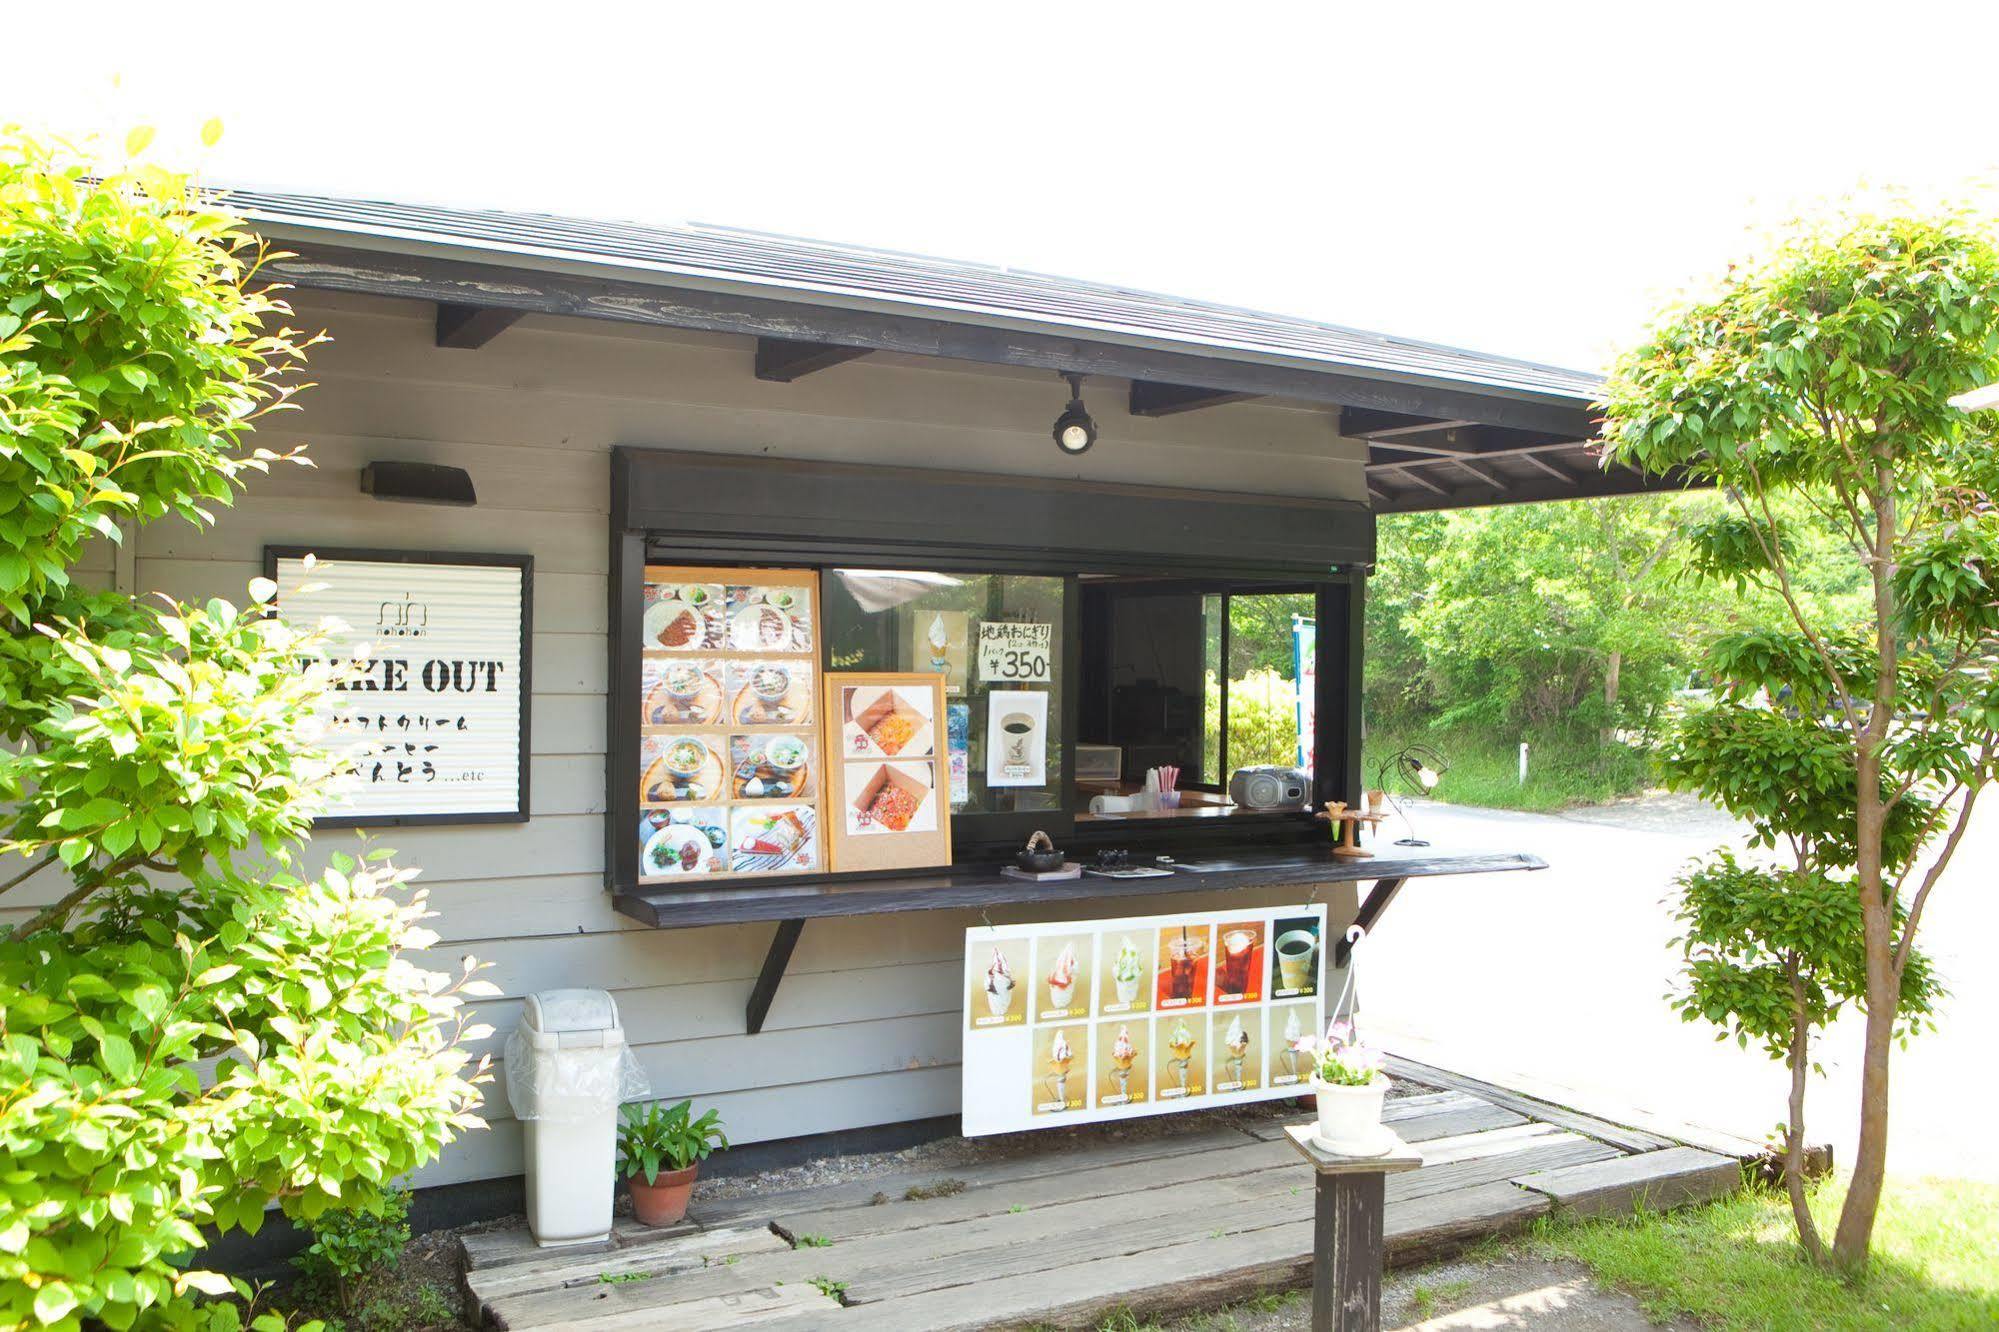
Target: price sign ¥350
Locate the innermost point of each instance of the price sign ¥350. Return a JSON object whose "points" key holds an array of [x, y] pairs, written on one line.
{"points": [[1014, 653]]}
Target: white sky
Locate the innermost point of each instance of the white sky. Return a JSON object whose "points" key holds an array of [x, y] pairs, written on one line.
{"points": [[1521, 178]]}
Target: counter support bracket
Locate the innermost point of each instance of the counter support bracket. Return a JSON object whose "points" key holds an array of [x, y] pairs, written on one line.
{"points": [[1378, 898], [775, 961]]}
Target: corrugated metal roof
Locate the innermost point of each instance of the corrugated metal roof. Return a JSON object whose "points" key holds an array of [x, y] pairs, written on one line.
{"points": [[834, 273]]}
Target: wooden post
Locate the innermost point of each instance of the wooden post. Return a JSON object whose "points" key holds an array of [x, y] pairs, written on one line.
{"points": [[1347, 1229]]}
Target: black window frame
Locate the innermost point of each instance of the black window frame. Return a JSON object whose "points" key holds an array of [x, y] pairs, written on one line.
{"points": [[788, 529]]}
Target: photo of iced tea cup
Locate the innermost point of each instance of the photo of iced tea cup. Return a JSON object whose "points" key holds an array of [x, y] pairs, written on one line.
{"points": [[1184, 959], [1232, 972]]}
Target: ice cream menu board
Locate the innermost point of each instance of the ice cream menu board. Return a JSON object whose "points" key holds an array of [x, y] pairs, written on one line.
{"points": [[729, 769], [1083, 1021], [889, 799]]}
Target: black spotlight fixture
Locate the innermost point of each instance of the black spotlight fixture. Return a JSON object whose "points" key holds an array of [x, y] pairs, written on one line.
{"points": [[1074, 430], [418, 483]]}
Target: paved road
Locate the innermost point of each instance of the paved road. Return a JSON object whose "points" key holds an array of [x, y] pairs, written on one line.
{"points": [[1559, 975]]}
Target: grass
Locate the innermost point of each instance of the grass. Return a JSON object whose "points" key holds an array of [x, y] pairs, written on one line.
{"points": [[810, 1242], [1426, 1300], [1484, 768], [1736, 1265]]}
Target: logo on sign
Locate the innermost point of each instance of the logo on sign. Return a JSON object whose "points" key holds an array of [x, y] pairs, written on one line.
{"points": [[407, 618]]}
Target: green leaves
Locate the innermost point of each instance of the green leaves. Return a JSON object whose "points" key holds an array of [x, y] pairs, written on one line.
{"points": [[190, 1052], [657, 1135], [135, 358]]}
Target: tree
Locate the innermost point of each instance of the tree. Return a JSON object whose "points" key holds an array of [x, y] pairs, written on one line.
{"points": [[194, 1026], [1822, 373], [1554, 616]]}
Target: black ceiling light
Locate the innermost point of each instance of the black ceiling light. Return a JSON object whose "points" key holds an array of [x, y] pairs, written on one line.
{"points": [[1074, 430], [418, 483]]}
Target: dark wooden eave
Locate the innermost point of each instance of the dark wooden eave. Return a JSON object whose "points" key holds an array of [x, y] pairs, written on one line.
{"points": [[469, 327], [526, 290], [1417, 463], [780, 361], [1150, 399]]}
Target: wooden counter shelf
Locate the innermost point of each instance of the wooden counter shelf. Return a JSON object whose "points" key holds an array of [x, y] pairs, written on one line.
{"points": [[971, 886]]}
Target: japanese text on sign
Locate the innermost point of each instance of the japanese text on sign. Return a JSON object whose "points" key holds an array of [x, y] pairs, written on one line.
{"points": [[432, 704], [1014, 652]]}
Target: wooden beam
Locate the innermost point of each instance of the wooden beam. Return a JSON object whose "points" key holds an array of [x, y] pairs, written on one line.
{"points": [[1365, 423], [1429, 457], [470, 327], [775, 961], [780, 360], [321, 267], [1492, 479], [1154, 399], [1596, 485]]}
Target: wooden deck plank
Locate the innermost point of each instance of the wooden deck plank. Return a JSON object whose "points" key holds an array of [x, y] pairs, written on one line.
{"points": [[1421, 1118], [794, 1306], [686, 1253], [498, 1248], [1082, 1155], [1620, 1136], [1653, 1181], [846, 1223], [1195, 1275]]}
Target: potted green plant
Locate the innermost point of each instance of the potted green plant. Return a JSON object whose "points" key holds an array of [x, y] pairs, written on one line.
{"points": [[1351, 1088], [660, 1150]]}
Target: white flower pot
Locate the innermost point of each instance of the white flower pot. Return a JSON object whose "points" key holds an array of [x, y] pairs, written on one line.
{"points": [[1350, 1117]]}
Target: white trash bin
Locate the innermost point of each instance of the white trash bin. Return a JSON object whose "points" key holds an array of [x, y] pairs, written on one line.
{"points": [[568, 1070]]}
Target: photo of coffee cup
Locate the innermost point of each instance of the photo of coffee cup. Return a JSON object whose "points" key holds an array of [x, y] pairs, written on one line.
{"points": [[1297, 951]]}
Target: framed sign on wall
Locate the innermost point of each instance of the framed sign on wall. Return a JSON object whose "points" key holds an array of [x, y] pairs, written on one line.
{"points": [[437, 718], [887, 773]]}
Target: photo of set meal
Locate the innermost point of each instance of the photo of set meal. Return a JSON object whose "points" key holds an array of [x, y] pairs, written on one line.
{"points": [[1058, 1078], [1239, 962], [1294, 951], [770, 767], [1123, 1074], [769, 693], [1061, 965], [768, 619], [1179, 1057], [1290, 1023], [778, 839], [680, 842], [676, 769], [681, 692], [1182, 966], [996, 999], [684, 617], [1235, 1048], [1127, 975]]}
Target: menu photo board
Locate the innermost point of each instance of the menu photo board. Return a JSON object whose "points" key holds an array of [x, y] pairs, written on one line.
{"points": [[888, 771], [434, 714], [1077, 1022], [730, 780]]}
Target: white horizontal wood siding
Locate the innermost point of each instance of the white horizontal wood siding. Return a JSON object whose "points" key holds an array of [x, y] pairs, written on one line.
{"points": [[865, 1029]]}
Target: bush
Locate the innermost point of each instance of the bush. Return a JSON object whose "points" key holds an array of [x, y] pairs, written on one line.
{"points": [[351, 1245], [193, 1028]]}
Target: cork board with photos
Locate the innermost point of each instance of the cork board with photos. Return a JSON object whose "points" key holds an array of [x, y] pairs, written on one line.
{"points": [[888, 796], [730, 780]]}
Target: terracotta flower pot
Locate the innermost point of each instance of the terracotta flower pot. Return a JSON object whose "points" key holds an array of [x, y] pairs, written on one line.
{"points": [[664, 1201]]}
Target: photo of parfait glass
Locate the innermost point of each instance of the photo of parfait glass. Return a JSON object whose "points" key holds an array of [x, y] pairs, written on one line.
{"points": [[1180, 1046]]}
